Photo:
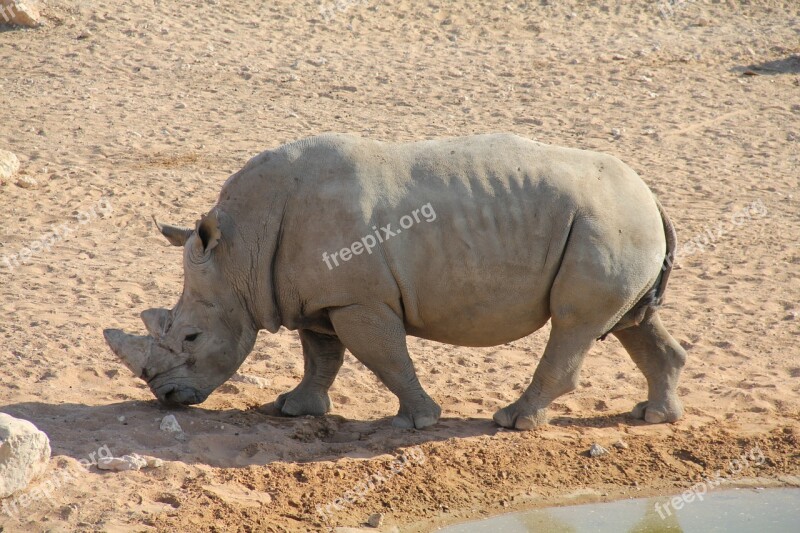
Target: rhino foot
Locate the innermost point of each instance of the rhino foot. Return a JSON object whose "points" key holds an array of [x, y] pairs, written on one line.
{"points": [[421, 417], [657, 413], [519, 416], [300, 402]]}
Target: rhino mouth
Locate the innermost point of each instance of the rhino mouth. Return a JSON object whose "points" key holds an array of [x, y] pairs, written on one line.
{"points": [[172, 394]]}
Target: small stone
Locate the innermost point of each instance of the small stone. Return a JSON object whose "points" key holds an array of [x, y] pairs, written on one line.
{"points": [[180, 105], [154, 462], [616, 133], [27, 182], [9, 164], [318, 62], [375, 520], [259, 382], [621, 445], [19, 13], [596, 450], [24, 454], [122, 464], [85, 34], [170, 424], [67, 511], [121, 418]]}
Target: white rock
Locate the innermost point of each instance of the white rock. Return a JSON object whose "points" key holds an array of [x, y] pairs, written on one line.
{"points": [[261, 383], [122, 464], [9, 164], [19, 12], [170, 424], [27, 182], [133, 461], [24, 454], [596, 450]]}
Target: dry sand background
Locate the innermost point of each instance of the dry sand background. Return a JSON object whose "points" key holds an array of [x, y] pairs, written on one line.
{"points": [[144, 108]]}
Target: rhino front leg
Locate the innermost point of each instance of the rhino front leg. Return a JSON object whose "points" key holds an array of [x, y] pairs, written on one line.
{"points": [[323, 356], [376, 336]]}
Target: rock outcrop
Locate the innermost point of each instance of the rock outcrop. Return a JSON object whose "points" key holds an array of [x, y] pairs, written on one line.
{"points": [[24, 454]]}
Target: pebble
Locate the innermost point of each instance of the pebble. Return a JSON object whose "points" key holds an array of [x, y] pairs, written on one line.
{"points": [[596, 450], [170, 424], [375, 520], [122, 464], [27, 182], [621, 445], [128, 462], [261, 383]]}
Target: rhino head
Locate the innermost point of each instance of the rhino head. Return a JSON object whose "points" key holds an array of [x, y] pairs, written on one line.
{"points": [[195, 347]]}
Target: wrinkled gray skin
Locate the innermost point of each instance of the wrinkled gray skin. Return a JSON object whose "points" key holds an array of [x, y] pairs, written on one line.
{"points": [[523, 233]]}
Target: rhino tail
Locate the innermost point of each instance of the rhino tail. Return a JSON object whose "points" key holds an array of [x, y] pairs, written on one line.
{"points": [[669, 259]]}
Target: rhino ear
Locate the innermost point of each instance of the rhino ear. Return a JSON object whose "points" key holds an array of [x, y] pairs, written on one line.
{"points": [[207, 229], [155, 320], [175, 235]]}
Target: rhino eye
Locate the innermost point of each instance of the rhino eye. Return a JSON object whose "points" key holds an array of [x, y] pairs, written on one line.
{"points": [[192, 337]]}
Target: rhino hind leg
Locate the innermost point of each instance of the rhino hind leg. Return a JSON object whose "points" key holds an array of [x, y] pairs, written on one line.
{"points": [[323, 356], [660, 358], [556, 374], [376, 336]]}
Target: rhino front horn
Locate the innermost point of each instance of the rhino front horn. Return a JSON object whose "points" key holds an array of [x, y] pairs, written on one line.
{"points": [[131, 349]]}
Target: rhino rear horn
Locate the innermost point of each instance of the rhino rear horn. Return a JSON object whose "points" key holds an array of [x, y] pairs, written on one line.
{"points": [[176, 236]]}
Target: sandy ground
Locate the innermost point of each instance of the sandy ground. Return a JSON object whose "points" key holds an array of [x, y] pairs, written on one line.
{"points": [[120, 111]]}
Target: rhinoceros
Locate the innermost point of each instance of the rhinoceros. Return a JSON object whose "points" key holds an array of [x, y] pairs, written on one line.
{"points": [[473, 241]]}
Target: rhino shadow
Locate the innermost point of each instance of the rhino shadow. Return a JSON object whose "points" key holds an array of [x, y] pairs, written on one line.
{"points": [[787, 65], [226, 438]]}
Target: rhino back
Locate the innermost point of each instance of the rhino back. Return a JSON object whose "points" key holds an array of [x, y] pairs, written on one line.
{"points": [[500, 209]]}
